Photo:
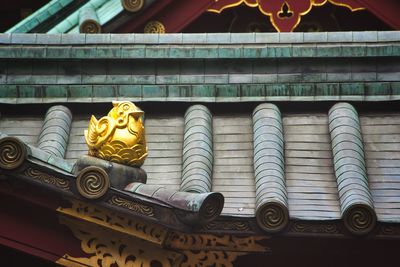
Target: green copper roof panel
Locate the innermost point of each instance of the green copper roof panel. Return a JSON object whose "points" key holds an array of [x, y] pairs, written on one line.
{"points": [[73, 20], [105, 13], [39, 16]]}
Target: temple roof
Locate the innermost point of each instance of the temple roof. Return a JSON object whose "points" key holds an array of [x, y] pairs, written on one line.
{"points": [[308, 161], [94, 16], [235, 124]]}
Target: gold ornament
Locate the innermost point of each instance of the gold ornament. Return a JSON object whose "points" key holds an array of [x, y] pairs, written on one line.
{"points": [[154, 27], [119, 136], [108, 248]]}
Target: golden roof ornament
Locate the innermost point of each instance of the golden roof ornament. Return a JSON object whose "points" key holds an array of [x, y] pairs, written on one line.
{"points": [[118, 137]]}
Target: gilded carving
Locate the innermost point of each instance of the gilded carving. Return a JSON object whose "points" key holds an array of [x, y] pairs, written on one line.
{"points": [[119, 136], [281, 15], [110, 249], [48, 179], [154, 27], [110, 239], [209, 258], [132, 205], [115, 221], [217, 242]]}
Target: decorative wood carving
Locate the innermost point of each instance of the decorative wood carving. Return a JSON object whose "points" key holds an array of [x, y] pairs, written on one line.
{"points": [[48, 179], [111, 249], [225, 242], [132, 205], [114, 221], [113, 240], [314, 228]]}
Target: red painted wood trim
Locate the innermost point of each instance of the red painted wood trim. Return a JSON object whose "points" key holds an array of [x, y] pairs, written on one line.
{"points": [[35, 230], [180, 13], [174, 15], [136, 23], [386, 10], [26, 248], [30, 193]]}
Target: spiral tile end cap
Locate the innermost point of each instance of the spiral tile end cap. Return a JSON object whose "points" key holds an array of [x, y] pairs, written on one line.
{"points": [[359, 219], [211, 207], [92, 182], [272, 217], [12, 153]]}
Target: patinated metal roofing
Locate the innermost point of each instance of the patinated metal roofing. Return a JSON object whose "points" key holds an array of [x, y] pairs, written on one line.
{"points": [[317, 166], [326, 165], [48, 10], [351, 66], [66, 16]]}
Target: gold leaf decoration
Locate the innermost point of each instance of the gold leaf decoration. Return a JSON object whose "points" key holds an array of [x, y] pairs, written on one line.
{"points": [[109, 249], [114, 221], [119, 136], [210, 258], [154, 27]]}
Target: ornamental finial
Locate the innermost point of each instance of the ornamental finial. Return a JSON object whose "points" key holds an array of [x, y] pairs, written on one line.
{"points": [[119, 136]]}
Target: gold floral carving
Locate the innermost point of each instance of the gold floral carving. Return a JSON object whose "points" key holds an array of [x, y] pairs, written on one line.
{"points": [[48, 179], [119, 136], [217, 242], [132, 205], [154, 27], [282, 17], [109, 249], [109, 219], [112, 240], [210, 258]]}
